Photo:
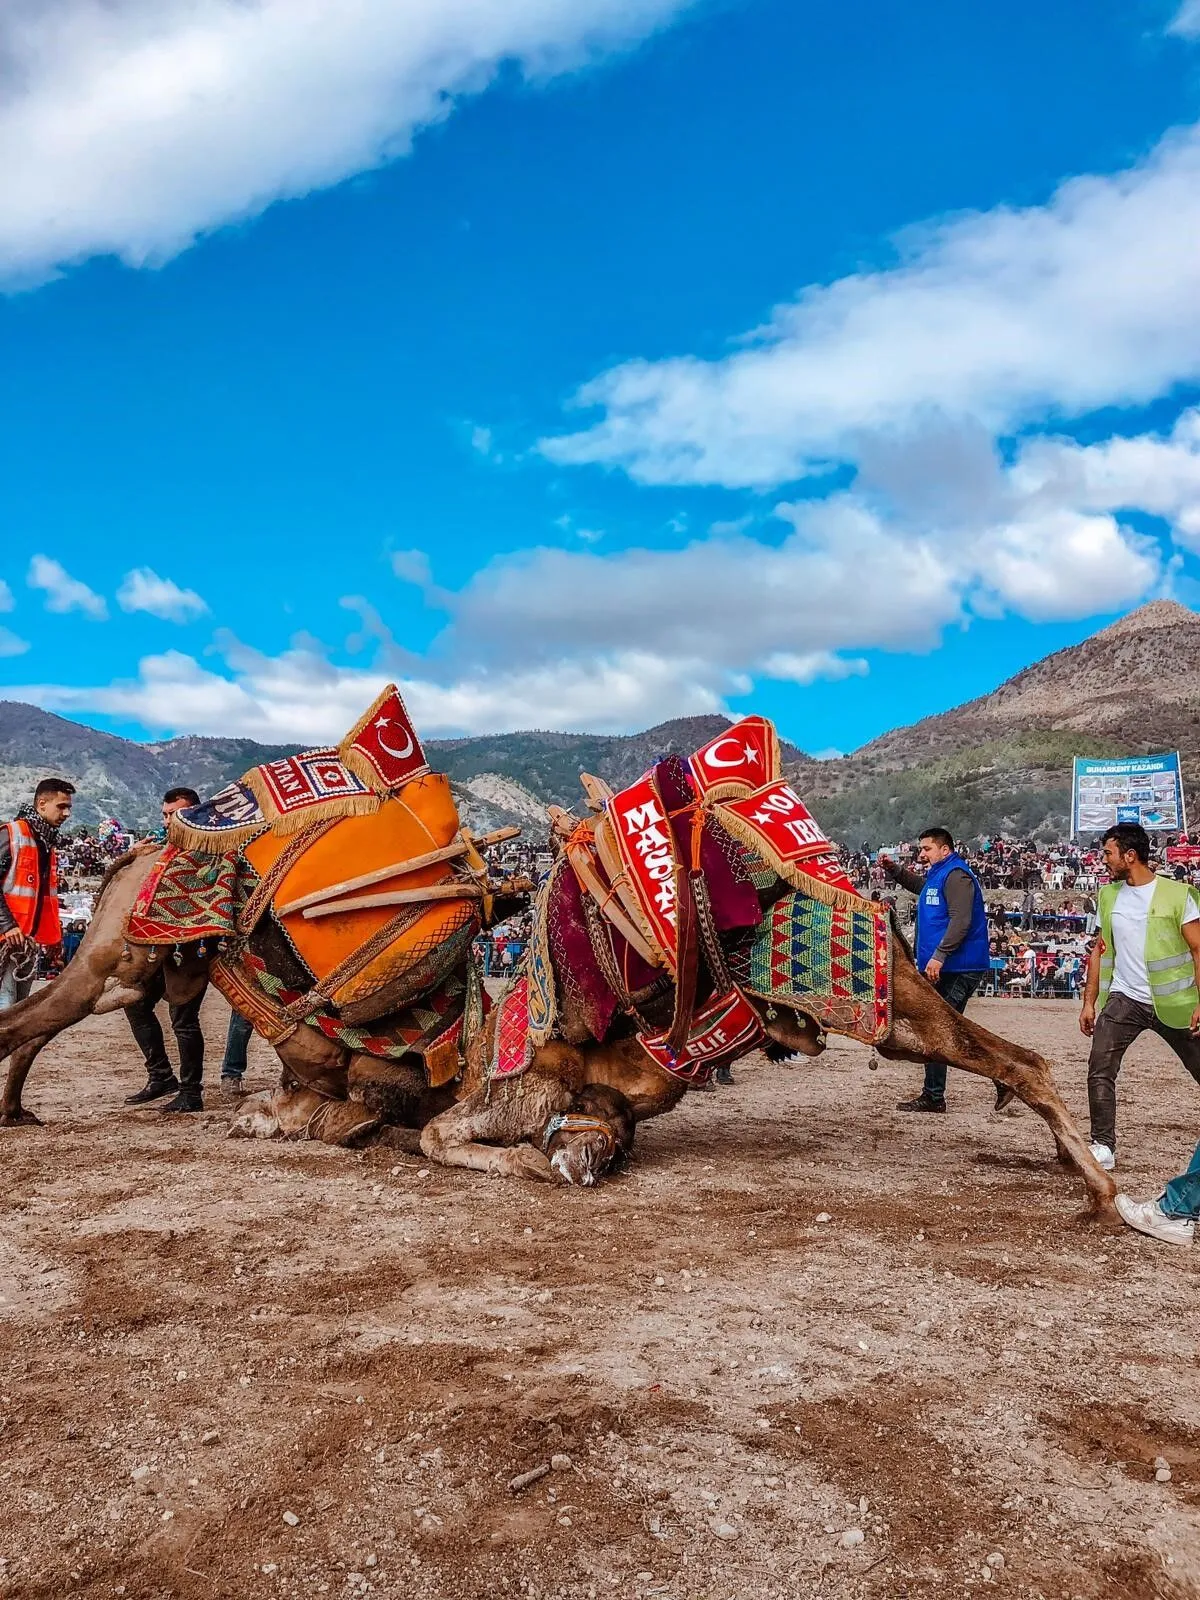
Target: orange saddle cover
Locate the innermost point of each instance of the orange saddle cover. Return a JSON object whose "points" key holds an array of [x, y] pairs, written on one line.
{"points": [[422, 818]]}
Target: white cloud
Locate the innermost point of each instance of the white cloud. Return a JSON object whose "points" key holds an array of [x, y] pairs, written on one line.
{"points": [[63, 592], [789, 667], [143, 590], [1004, 317], [1186, 20], [131, 126], [6, 597], [300, 696], [11, 644], [1155, 474], [933, 532]]}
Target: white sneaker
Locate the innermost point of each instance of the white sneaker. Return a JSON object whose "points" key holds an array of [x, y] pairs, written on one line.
{"points": [[1147, 1216], [1104, 1156]]}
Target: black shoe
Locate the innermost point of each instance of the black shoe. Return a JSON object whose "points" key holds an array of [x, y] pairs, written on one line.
{"points": [[724, 1075], [923, 1102], [185, 1100], [154, 1090]]}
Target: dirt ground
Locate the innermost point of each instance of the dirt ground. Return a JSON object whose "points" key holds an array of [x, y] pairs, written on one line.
{"points": [[236, 1369]]}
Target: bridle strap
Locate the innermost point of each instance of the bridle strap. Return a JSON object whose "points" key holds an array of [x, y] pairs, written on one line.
{"points": [[577, 1122]]}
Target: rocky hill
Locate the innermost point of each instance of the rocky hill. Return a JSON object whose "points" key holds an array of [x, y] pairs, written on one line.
{"points": [[1003, 761], [999, 763], [121, 778]]}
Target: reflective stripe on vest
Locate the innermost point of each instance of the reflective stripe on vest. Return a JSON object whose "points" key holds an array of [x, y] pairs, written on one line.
{"points": [[1169, 964], [22, 884]]}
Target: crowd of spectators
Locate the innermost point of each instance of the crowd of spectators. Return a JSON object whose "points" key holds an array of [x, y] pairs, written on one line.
{"points": [[1041, 901]]}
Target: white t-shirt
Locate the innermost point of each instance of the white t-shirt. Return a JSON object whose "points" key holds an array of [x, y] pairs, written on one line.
{"points": [[1130, 910]]}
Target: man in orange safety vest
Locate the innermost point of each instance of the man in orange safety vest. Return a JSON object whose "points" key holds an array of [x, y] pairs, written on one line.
{"points": [[29, 915]]}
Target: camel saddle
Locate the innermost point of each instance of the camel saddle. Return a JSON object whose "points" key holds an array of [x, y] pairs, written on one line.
{"points": [[667, 866], [341, 877]]}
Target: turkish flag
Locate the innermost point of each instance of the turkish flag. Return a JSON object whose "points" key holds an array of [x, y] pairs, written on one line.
{"points": [[737, 762], [383, 748]]}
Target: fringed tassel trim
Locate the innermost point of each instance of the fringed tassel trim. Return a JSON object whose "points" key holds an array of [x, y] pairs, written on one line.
{"points": [[204, 842], [808, 882], [348, 805]]}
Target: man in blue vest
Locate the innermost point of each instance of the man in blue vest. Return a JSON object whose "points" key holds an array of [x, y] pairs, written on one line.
{"points": [[952, 938]]}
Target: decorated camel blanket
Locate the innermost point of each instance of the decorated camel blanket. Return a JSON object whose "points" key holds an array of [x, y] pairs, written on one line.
{"points": [[707, 840], [331, 879], [832, 962]]}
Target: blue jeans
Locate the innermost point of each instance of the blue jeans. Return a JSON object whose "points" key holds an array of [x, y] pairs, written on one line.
{"points": [[233, 1063], [955, 988], [1181, 1197], [12, 988]]}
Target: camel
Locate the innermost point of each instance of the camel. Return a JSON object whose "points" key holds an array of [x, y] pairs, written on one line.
{"points": [[571, 1114], [108, 973], [567, 1118]]}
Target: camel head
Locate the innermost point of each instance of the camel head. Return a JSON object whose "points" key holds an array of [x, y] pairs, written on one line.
{"points": [[584, 1142]]}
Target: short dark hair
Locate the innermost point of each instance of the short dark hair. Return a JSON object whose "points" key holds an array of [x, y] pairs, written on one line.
{"points": [[1130, 836], [53, 786], [190, 795], [939, 836]]}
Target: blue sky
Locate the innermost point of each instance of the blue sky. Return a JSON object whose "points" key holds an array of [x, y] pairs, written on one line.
{"points": [[581, 363]]}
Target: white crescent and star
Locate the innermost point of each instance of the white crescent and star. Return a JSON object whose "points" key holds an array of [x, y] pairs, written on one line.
{"points": [[748, 757], [397, 755]]}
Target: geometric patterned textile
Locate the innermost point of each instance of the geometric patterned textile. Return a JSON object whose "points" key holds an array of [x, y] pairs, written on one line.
{"points": [[228, 820], [512, 1051], [186, 896], [832, 962], [420, 1027], [542, 993], [301, 789]]}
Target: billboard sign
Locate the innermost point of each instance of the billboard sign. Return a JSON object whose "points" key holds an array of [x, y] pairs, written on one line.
{"points": [[1144, 789]]}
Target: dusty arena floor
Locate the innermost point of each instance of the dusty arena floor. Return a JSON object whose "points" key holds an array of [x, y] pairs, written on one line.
{"points": [[235, 1369]]}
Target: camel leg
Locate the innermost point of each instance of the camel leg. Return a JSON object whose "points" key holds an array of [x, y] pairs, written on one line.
{"points": [[12, 1113], [398, 1092], [515, 1113], [925, 1026]]}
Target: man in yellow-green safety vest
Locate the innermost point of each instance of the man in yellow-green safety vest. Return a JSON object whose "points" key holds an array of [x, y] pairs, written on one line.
{"points": [[1143, 972]]}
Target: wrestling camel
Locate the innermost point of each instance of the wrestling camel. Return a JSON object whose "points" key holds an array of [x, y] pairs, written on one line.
{"points": [[568, 1116], [572, 1113], [108, 973]]}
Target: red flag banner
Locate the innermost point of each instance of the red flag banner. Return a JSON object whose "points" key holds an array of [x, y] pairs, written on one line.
{"points": [[737, 762], [646, 844], [382, 748], [776, 824], [727, 1027]]}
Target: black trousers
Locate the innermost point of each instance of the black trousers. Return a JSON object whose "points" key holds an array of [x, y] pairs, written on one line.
{"points": [[185, 1025], [955, 988]]}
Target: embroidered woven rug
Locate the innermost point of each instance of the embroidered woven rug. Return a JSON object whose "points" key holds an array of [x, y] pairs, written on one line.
{"points": [[512, 1049], [186, 896], [420, 1029], [230, 818], [301, 789], [832, 962]]}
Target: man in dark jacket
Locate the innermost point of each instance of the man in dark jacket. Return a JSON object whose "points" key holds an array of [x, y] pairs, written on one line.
{"points": [[185, 1090], [952, 938]]}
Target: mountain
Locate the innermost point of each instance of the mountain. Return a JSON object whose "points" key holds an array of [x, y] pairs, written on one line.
{"points": [[998, 763], [1003, 761], [118, 777]]}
